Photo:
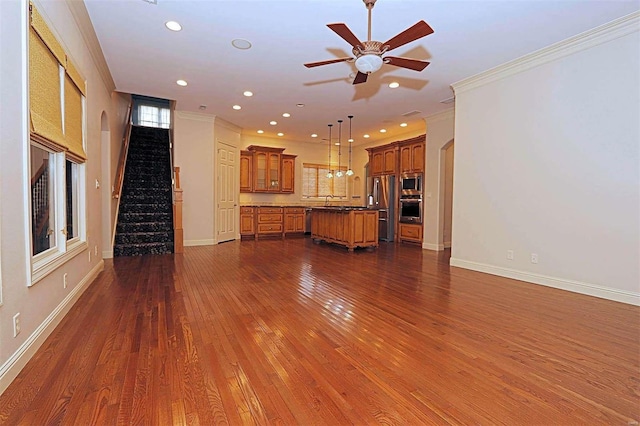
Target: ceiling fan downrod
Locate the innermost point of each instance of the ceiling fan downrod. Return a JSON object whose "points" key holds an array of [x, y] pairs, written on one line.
{"points": [[369, 4]]}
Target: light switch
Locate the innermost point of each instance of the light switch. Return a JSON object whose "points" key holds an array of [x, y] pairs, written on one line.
{"points": [[97, 184]]}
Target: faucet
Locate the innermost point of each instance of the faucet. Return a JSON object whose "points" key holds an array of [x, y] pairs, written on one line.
{"points": [[326, 200]]}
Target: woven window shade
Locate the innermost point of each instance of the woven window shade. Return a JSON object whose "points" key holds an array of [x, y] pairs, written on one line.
{"points": [[44, 91], [73, 119]]}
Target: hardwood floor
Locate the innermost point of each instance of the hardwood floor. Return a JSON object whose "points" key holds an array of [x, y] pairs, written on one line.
{"points": [[289, 332]]}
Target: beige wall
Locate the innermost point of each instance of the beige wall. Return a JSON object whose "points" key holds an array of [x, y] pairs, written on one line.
{"points": [[553, 167], [43, 305], [194, 154]]}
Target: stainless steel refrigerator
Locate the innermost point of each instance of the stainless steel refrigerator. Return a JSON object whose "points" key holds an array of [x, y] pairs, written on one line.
{"points": [[381, 196]]}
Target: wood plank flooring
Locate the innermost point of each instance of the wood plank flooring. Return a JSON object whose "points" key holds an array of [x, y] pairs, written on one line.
{"points": [[292, 333]]}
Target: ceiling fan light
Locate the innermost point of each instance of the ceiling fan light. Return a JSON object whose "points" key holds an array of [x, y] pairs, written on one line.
{"points": [[368, 63]]}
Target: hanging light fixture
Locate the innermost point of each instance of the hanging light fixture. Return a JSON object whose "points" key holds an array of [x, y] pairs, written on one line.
{"points": [[339, 173], [330, 174], [349, 171]]}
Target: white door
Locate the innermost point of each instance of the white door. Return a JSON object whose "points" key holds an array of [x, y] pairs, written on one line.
{"points": [[227, 193]]}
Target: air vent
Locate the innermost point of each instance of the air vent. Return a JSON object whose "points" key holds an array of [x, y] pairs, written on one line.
{"points": [[411, 113], [448, 100], [151, 1]]}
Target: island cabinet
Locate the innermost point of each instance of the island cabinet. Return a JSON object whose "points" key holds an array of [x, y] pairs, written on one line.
{"points": [[269, 222], [410, 232], [247, 222], [294, 220], [412, 155], [266, 169], [349, 227]]}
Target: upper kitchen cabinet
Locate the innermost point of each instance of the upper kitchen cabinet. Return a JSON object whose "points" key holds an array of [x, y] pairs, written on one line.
{"points": [[383, 160], [266, 169], [412, 155]]}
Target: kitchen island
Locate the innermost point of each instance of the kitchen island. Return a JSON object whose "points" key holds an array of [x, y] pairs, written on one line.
{"points": [[347, 226]]}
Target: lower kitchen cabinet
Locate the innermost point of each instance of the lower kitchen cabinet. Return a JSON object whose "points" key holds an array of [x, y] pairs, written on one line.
{"points": [[247, 222], [294, 220], [410, 232], [269, 222]]}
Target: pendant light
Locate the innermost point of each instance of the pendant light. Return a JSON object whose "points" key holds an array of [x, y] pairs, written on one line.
{"points": [[349, 171], [339, 173], [330, 174]]}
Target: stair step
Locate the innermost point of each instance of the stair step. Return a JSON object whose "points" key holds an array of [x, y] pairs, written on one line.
{"points": [[139, 227], [134, 217], [146, 208], [142, 249], [144, 237]]}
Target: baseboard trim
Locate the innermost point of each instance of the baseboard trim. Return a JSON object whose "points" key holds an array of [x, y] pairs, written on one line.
{"points": [[107, 254], [559, 283], [434, 247], [16, 362], [191, 243]]}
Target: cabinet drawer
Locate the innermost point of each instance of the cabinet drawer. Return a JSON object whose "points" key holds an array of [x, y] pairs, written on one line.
{"points": [[294, 210], [265, 228], [269, 218], [413, 232], [269, 209], [246, 210]]}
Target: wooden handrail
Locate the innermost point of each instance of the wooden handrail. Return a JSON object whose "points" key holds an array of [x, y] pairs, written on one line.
{"points": [[124, 149]]}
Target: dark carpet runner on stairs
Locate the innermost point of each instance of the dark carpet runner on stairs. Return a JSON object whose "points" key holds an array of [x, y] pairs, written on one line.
{"points": [[145, 218]]}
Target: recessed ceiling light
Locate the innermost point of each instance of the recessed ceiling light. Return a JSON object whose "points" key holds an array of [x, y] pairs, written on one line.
{"points": [[202, 107], [365, 136], [280, 134], [383, 130], [240, 43], [349, 140], [300, 105], [261, 131], [403, 124], [336, 143], [173, 25], [273, 123], [237, 107], [248, 93], [181, 83], [313, 135], [286, 115], [394, 84]]}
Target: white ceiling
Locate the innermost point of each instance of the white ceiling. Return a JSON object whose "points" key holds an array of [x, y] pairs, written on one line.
{"points": [[470, 37]]}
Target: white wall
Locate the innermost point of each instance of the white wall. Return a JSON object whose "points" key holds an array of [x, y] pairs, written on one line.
{"points": [[43, 305], [547, 162]]}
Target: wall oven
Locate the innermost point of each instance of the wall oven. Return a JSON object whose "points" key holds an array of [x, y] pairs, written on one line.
{"points": [[411, 208]]}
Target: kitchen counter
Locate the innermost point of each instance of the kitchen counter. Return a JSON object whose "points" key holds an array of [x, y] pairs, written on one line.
{"points": [[349, 226]]}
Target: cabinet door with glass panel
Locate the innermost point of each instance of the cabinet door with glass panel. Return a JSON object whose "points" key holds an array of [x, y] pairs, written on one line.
{"points": [[267, 172]]}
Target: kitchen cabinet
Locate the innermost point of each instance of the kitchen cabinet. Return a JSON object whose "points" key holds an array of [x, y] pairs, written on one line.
{"points": [[266, 169], [412, 156], [349, 227], [383, 160], [246, 169], [410, 232], [269, 222], [288, 173], [247, 222], [294, 220]]}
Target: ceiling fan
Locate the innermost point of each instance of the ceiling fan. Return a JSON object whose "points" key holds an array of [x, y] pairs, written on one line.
{"points": [[368, 54]]}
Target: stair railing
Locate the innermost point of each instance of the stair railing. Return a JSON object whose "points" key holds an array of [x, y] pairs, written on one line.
{"points": [[124, 149], [40, 205]]}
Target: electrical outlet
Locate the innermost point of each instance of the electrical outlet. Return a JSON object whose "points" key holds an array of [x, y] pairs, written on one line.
{"points": [[509, 254], [16, 324], [64, 280], [534, 257]]}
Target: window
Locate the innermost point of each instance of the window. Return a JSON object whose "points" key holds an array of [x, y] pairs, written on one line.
{"points": [[316, 184], [151, 116], [56, 151]]}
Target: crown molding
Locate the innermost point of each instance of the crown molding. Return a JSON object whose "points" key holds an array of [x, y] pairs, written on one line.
{"points": [[613, 30], [187, 115], [227, 125], [81, 17]]}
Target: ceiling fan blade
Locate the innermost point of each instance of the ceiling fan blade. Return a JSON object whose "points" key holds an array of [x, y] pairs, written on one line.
{"points": [[360, 78], [412, 64], [330, 61], [343, 31], [415, 32]]}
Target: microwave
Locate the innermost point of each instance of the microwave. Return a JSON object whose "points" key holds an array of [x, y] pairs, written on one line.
{"points": [[411, 184]]}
